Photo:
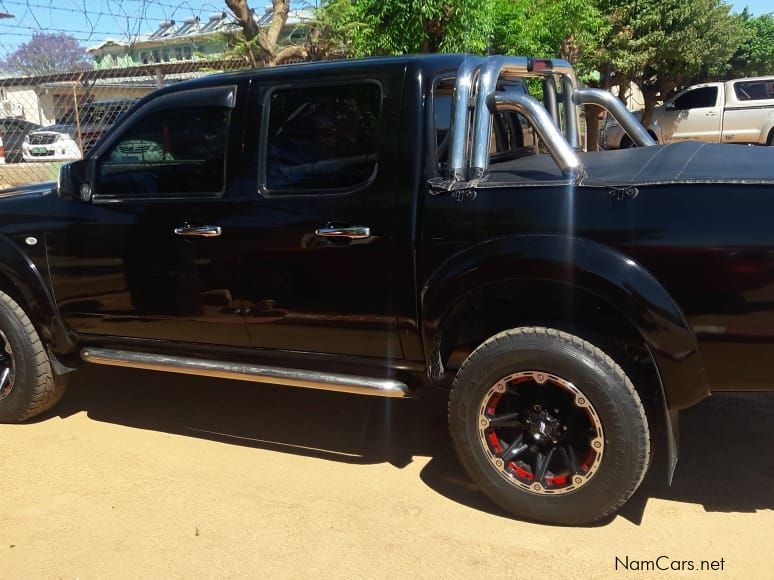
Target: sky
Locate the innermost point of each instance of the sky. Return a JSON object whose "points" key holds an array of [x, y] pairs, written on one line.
{"points": [[102, 19]]}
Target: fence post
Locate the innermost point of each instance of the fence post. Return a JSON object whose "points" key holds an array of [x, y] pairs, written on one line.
{"points": [[77, 113]]}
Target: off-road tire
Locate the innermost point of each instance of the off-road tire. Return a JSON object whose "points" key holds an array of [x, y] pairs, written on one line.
{"points": [[627, 440], [35, 389]]}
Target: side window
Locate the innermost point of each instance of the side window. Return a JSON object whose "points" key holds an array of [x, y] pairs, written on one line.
{"points": [[697, 98], [754, 90], [322, 138], [176, 151]]}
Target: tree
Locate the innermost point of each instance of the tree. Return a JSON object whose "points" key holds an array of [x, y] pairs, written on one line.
{"points": [[260, 43], [379, 27], [755, 55], [666, 44], [47, 54], [568, 29]]}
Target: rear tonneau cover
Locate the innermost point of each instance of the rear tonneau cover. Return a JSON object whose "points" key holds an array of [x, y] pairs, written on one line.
{"points": [[684, 162]]}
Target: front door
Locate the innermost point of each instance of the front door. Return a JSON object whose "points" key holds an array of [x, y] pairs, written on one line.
{"points": [[154, 255], [320, 265], [695, 115]]}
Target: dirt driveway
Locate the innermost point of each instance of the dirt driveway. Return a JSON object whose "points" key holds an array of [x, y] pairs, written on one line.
{"points": [[146, 475]]}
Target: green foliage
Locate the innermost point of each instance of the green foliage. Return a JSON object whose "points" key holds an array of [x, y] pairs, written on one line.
{"points": [[755, 55], [570, 29], [668, 43], [378, 27]]}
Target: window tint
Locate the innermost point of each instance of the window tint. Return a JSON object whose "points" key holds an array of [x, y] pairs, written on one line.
{"points": [[322, 138], [697, 98], [754, 90], [173, 151]]}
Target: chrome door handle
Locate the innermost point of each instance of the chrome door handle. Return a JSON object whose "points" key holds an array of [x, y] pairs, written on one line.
{"points": [[199, 231], [351, 232]]}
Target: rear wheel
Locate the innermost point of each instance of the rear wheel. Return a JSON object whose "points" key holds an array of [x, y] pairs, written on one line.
{"points": [[27, 384], [549, 426], [626, 142]]}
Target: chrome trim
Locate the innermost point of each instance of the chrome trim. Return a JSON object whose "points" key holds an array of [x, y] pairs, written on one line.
{"points": [[353, 384], [351, 232], [199, 231], [463, 90], [570, 111], [628, 122], [564, 155]]}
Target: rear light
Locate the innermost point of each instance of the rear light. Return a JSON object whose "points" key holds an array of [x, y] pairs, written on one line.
{"points": [[537, 64]]}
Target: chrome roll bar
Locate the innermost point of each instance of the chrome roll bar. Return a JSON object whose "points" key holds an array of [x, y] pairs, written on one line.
{"points": [[570, 111], [615, 107], [541, 120], [463, 90], [487, 84], [476, 81], [510, 66]]}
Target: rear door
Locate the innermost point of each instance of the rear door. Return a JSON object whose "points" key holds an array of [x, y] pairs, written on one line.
{"points": [[154, 254], [319, 231], [696, 115]]}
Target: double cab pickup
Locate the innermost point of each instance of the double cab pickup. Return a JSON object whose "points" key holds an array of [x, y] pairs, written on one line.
{"points": [[737, 111], [377, 226]]}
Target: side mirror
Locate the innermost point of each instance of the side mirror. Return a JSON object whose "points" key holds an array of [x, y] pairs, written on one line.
{"points": [[75, 180]]}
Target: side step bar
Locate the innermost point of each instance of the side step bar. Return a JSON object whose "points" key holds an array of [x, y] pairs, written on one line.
{"points": [[248, 372]]}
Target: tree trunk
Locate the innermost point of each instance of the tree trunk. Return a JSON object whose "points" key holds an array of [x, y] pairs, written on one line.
{"points": [[265, 38], [591, 114]]}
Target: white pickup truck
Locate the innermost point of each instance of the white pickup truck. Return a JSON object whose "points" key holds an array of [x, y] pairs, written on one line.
{"points": [[737, 111]]}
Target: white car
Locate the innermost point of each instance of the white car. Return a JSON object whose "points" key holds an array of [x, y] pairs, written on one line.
{"points": [[737, 111], [54, 143], [61, 143]]}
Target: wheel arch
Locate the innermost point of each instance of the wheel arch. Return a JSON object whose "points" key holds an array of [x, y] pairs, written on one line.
{"points": [[20, 277], [563, 280]]}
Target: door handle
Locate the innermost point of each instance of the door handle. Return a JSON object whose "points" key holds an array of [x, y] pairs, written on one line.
{"points": [[711, 114], [350, 232], [198, 231]]}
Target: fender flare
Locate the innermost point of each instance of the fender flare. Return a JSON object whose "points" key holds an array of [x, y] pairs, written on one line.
{"points": [[591, 267], [40, 305]]}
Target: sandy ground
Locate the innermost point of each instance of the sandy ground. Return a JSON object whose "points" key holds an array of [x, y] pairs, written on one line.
{"points": [[146, 475]]}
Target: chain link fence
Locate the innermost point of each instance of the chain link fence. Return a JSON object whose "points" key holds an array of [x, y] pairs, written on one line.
{"points": [[49, 120]]}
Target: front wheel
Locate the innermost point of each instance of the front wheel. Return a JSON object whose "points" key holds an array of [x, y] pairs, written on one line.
{"points": [[549, 426], [27, 385]]}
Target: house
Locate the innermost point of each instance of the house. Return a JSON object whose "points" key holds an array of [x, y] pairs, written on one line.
{"points": [[190, 40]]}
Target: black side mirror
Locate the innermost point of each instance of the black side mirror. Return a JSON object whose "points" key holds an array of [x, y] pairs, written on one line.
{"points": [[75, 180]]}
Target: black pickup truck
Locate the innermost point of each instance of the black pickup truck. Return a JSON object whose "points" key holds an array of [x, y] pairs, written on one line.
{"points": [[379, 225]]}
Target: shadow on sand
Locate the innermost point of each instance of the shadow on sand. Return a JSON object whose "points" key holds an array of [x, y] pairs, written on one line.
{"points": [[726, 460]]}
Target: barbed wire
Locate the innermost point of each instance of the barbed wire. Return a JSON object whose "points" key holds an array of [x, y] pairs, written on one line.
{"points": [[88, 11]]}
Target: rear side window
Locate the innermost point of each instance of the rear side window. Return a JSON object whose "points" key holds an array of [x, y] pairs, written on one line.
{"points": [[754, 90], [176, 151], [322, 139]]}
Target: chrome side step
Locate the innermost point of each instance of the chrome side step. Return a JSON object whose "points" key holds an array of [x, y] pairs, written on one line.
{"points": [[247, 372]]}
